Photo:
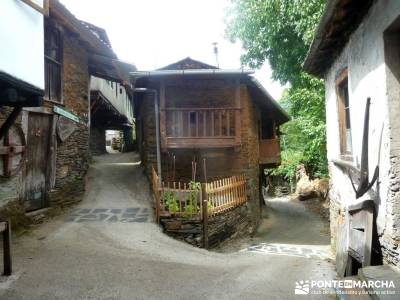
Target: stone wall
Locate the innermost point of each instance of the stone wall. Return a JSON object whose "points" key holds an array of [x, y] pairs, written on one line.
{"points": [[97, 141], [232, 223], [372, 61], [128, 140], [10, 188], [73, 154], [336, 217], [220, 163]]}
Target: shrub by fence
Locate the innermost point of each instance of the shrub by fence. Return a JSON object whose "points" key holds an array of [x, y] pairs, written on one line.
{"points": [[186, 199]]}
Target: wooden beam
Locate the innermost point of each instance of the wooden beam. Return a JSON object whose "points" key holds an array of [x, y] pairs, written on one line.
{"points": [[163, 128], [6, 229], [238, 115], [43, 10]]}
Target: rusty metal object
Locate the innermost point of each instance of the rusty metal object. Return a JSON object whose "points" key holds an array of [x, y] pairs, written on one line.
{"points": [[364, 185], [12, 151]]}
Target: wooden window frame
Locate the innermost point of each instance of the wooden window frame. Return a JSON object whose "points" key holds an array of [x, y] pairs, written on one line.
{"points": [[43, 10], [341, 114], [273, 127], [55, 27]]}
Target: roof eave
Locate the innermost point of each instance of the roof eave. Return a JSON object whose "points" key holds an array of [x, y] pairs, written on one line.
{"points": [[162, 73], [59, 11], [285, 117], [339, 20], [309, 63]]}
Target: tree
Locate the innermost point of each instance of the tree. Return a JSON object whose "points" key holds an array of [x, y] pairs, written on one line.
{"points": [[281, 31]]}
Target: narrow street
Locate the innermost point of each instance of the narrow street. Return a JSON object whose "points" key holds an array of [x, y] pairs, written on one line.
{"points": [[287, 227], [108, 247]]}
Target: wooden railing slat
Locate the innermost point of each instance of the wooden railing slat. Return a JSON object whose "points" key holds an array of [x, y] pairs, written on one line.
{"points": [[223, 194]]}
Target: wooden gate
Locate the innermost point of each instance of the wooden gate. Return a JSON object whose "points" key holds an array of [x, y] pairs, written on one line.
{"points": [[37, 159]]}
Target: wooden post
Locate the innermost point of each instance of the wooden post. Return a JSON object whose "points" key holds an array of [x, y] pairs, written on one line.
{"points": [[7, 249], [158, 206], [238, 113], [205, 217]]}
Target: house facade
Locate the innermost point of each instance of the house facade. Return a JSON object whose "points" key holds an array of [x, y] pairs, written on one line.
{"points": [[221, 122], [356, 52], [21, 84], [56, 133]]}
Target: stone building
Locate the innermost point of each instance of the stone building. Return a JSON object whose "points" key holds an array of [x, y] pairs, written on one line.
{"points": [[56, 134], [223, 119], [356, 52]]}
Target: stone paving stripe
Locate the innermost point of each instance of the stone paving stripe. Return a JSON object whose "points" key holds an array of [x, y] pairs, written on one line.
{"points": [[140, 220], [91, 216], [103, 217], [113, 219], [128, 215], [100, 210]]}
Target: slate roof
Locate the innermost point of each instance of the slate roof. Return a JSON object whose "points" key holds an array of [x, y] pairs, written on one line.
{"points": [[339, 20], [188, 64]]}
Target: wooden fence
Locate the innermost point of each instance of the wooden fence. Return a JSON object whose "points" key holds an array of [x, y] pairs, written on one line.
{"points": [[225, 194], [185, 200]]}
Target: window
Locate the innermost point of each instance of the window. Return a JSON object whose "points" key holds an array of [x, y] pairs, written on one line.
{"points": [[342, 87], [53, 56], [267, 128]]}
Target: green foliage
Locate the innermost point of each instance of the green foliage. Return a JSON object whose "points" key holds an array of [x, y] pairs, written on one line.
{"points": [[281, 31], [171, 202], [191, 206], [287, 168]]}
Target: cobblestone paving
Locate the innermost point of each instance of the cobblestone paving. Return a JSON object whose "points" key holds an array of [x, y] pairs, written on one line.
{"points": [[290, 250], [111, 215]]}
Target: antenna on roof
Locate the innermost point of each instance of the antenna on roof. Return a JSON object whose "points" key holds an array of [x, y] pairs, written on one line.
{"points": [[215, 44]]}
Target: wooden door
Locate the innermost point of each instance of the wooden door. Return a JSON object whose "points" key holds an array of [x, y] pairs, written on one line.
{"points": [[38, 162]]}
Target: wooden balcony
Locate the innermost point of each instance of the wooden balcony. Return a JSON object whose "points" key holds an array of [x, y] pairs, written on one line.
{"points": [[200, 127], [269, 151]]}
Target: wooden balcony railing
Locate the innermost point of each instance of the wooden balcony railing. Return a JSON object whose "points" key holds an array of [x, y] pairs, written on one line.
{"points": [[201, 127], [269, 151]]}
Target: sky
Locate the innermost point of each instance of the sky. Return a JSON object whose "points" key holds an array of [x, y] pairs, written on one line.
{"points": [[155, 33]]}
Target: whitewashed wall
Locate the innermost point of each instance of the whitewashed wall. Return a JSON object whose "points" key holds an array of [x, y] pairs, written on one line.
{"points": [[369, 74], [22, 42], [112, 92]]}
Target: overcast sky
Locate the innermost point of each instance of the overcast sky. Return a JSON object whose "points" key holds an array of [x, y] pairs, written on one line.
{"points": [[155, 33]]}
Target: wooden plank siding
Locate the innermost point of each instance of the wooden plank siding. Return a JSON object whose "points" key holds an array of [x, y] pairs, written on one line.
{"points": [[197, 115], [270, 151]]}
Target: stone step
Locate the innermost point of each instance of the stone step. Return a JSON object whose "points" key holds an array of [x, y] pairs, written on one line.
{"points": [[353, 293], [385, 273]]}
